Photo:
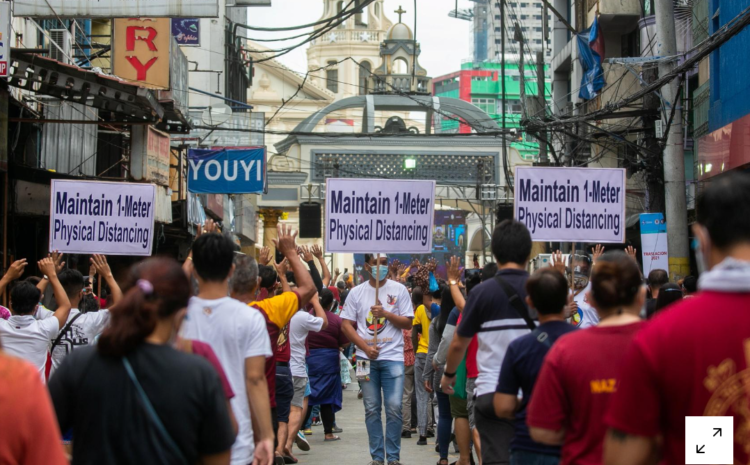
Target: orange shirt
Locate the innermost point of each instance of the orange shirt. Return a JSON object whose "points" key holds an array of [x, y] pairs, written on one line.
{"points": [[30, 434]]}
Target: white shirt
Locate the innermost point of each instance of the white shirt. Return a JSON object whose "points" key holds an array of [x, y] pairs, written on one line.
{"points": [[299, 327], [82, 332], [235, 332], [29, 338], [588, 314], [394, 298]]}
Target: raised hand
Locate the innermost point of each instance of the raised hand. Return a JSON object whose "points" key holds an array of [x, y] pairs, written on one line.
{"points": [[558, 262], [306, 254], [284, 243], [431, 265], [264, 258], [393, 268], [15, 270], [631, 251], [454, 269], [597, 252], [57, 256], [317, 251], [283, 267], [46, 265], [101, 265]]}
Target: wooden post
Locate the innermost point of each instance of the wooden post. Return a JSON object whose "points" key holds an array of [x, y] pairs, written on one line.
{"points": [[377, 289]]}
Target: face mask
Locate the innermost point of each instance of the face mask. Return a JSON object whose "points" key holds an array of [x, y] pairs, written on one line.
{"points": [[700, 259], [382, 272]]}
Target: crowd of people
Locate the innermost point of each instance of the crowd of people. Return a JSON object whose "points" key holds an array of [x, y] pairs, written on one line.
{"points": [[228, 359]]}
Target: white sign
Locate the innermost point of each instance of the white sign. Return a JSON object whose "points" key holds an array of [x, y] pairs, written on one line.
{"points": [[571, 204], [112, 218], [377, 215], [4, 38], [654, 242], [116, 8]]}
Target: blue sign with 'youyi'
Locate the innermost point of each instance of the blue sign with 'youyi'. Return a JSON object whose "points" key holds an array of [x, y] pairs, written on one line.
{"points": [[227, 171]]}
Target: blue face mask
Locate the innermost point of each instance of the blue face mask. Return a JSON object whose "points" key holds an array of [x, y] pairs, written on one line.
{"points": [[381, 271]]}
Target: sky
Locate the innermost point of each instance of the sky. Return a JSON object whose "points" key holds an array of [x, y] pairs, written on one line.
{"points": [[444, 40]]}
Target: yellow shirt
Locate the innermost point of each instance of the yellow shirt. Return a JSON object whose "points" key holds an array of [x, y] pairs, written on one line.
{"points": [[420, 318]]}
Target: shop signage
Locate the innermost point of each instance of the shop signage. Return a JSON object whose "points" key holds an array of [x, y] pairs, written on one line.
{"points": [[227, 171], [187, 31], [116, 8], [141, 51]]}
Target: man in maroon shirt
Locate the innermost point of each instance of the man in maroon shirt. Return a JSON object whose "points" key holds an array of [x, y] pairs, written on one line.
{"points": [[694, 358]]}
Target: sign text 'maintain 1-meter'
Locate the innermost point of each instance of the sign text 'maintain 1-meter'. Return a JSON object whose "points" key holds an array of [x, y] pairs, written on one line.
{"points": [[113, 218], [571, 204], [376, 215]]}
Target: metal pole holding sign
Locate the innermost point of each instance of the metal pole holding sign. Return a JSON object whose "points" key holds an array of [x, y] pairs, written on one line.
{"points": [[377, 289]]}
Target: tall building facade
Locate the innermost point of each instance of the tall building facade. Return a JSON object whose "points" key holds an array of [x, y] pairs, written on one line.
{"points": [[488, 26], [480, 84]]}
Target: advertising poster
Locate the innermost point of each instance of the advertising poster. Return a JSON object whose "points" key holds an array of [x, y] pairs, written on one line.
{"points": [[654, 242]]}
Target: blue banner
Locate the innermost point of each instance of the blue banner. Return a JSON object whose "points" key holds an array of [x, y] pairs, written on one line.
{"points": [[227, 171]]}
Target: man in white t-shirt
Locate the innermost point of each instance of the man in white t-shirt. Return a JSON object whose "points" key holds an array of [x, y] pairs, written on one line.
{"points": [[81, 328], [237, 334], [301, 325], [587, 316], [22, 335], [383, 353]]}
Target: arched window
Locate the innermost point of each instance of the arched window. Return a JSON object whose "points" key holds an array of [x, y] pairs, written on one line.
{"points": [[365, 69], [339, 7], [400, 66], [377, 9]]}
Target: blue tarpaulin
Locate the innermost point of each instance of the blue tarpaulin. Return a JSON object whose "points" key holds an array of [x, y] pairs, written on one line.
{"points": [[591, 51]]}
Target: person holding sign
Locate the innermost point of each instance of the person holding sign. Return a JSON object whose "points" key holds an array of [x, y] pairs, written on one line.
{"points": [[381, 308]]}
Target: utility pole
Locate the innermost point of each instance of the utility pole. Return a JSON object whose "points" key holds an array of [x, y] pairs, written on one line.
{"points": [[502, 90], [674, 156], [518, 36], [541, 105]]}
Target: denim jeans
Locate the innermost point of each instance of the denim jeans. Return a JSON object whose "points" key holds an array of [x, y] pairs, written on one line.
{"points": [[386, 381], [445, 422], [406, 399], [522, 457], [422, 396]]}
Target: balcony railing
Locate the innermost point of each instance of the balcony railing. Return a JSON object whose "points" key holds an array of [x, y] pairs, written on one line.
{"points": [[397, 83], [351, 35]]}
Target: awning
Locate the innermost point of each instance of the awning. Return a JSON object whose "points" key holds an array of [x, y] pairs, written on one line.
{"points": [[127, 102]]}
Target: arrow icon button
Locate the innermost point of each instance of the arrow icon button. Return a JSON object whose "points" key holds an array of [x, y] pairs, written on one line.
{"points": [[718, 431], [699, 451]]}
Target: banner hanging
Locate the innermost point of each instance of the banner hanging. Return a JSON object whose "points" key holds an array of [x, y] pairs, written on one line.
{"points": [[227, 171], [571, 204], [654, 242], [111, 218], [377, 215]]}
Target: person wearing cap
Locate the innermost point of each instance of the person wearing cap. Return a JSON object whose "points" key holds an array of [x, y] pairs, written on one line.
{"points": [[380, 349]]}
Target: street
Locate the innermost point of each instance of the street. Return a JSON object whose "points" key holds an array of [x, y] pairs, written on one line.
{"points": [[353, 446]]}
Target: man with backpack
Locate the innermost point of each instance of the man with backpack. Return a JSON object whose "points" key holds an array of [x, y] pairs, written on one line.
{"points": [[495, 311]]}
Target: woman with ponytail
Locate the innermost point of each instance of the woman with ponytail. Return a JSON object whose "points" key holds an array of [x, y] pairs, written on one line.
{"points": [[581, 370], [134, 398]]}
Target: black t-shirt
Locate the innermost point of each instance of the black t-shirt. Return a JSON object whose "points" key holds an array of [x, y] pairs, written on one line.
{"points": [[520, 369], [94, 396]]}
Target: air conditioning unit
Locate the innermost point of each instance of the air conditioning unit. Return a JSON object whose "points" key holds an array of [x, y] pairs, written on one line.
{"points": [[64, 39]]}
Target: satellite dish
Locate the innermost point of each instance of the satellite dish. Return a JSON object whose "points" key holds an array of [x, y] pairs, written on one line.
{"points": [[216, 115]]}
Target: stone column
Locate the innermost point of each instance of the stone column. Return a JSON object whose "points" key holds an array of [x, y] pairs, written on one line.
{"points": [[271, 218]]}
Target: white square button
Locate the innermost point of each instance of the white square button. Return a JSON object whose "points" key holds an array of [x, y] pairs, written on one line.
{"points": [[709, 440]]}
